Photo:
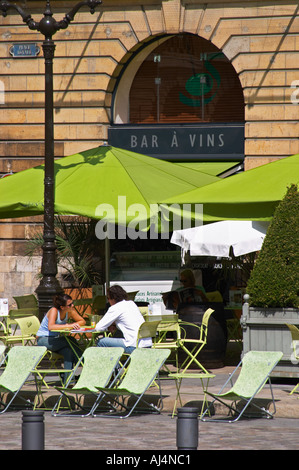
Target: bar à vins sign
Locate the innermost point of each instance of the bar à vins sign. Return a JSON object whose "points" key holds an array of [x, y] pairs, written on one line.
{"points": [[184, 142]]}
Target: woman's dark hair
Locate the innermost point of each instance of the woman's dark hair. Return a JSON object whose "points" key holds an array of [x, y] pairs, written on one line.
{"points": [[60, 300], [117, 293]]}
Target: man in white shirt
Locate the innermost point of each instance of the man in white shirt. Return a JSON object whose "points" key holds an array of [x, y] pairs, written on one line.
{"points": [[127, 318]]}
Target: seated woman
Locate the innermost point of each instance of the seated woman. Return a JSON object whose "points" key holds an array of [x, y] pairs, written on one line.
{"points": [[57, 319], [188, 293], [127, 318]]}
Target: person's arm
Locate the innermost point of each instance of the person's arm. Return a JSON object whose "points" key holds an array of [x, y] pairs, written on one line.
{"points": [[107, 320], [78, 320], [52, 317]]}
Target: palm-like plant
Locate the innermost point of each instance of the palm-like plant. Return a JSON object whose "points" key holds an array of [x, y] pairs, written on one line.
{"points": [[78, 249]]}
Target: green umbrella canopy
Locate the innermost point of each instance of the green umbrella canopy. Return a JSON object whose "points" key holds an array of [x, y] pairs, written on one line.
{"points": [[98, 177], [251, 195]]}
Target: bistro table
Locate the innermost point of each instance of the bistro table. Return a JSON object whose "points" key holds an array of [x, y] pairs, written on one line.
{"points": [[87, 336]]}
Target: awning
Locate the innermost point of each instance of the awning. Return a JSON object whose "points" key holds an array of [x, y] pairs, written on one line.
{"points": [[214, 168]]}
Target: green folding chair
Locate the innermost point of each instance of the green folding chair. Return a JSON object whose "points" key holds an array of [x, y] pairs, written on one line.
{"points": [[147, 329], [185, 370], [142, 371], [28, 327], [2, 353], [98, 365], [196, 345], [27, 305], [21, 360], [169, 337], [26, 301], [256, 367]]}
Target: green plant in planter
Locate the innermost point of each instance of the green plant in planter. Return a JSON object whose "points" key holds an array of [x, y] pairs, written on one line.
{"points": [[274, 280], [77, 249]]}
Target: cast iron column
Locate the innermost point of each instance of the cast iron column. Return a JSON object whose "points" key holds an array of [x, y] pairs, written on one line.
{"points": [[48, 26]]}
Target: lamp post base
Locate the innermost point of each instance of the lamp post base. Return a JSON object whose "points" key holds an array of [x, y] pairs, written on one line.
{"points": [[48, 288]]}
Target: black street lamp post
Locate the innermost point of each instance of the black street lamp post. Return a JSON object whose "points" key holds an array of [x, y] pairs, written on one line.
{"points": [[48, 26]]}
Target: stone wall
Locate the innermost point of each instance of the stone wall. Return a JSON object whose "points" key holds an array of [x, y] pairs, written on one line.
{"points": [[19, 276], [260, 38]]}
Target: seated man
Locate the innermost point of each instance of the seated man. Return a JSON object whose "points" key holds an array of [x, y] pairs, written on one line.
{"points": [[126, 316]]}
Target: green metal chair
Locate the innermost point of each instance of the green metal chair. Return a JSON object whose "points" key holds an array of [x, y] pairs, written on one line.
{"points": [[196, 344], [26, 301], [27, 305], [28, 327], [21, 360], [255, 370], [180, 340], [186, 369], [148, 329], [98, 305], [98, 365], [141, 372], [169, 338], [295, 345]]}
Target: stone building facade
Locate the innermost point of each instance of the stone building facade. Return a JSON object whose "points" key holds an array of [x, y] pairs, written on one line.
{"points": [[102, 60]]}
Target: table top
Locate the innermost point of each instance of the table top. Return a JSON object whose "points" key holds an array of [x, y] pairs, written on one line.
{"points": [[81, 330]]}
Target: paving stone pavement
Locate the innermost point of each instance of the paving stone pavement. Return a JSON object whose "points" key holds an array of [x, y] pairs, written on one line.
{"points": [[151, 433], [157, 433]]}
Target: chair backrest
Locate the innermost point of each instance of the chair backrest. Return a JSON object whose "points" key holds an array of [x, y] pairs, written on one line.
{"points": [[295, 339], [173, 326], [204, 324], [99, 304], [28, 325], [144, 365], [147, 329], [168, 341], [21, 360], [214, 296], [23, 312], [132, 295], [26, 301], [255, 370], [98, 366], [143, 310]]}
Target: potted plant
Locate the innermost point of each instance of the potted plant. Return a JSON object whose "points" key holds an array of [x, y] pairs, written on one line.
{"points": [[273, 287], [79, 253]]}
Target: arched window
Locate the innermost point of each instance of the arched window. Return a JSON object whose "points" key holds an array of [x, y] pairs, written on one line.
{"points": [[186, 79]]}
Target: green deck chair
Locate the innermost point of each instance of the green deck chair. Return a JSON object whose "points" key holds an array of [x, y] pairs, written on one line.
{"points": [[255, 372], [28, 327], [98, 365], [147, 329], [141, 372], [295, 345], [21, 360], [2, 353]]}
